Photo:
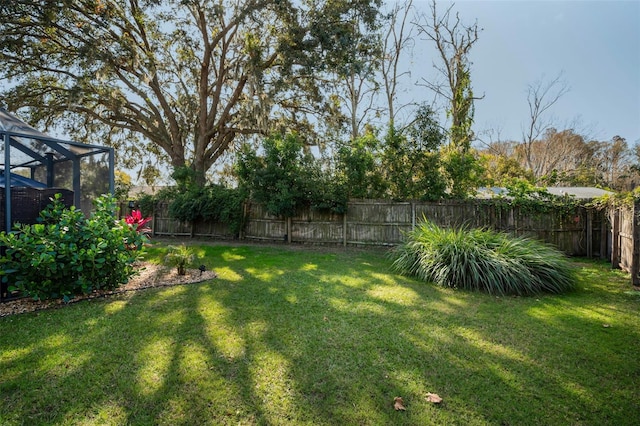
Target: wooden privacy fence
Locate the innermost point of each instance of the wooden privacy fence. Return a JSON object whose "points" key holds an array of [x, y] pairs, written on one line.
{"points": [[625, 240], [584, 232]]}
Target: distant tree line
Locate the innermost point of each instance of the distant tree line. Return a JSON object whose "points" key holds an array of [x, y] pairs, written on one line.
{"points": [[563, 158]]}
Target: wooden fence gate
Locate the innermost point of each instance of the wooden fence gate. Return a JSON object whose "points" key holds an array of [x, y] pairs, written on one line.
{"points": [[625, 240]]}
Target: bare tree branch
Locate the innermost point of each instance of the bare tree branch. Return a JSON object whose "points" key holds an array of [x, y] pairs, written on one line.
{"points": [[541, 96], [397, 40]]}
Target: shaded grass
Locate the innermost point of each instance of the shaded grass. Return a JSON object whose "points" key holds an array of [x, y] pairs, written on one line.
{"points": [[319, 337]]}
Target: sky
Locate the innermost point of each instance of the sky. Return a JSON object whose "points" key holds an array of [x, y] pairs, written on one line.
{"points": [[594, 44]]}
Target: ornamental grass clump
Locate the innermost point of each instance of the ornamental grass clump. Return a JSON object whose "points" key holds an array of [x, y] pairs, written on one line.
{"points": [[483, 260]]}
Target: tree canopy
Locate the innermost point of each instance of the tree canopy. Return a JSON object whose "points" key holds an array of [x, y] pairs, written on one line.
{"points": [[180, 80]]}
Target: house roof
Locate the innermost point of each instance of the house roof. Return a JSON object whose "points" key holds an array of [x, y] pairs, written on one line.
{"points": [[138, 190], [579, 192], [582, 192]]}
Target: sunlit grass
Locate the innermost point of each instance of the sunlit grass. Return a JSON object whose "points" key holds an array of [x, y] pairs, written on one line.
{"points": [[304, 336]]}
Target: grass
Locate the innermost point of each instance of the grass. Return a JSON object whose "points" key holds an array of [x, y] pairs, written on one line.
{"points": [[326, 337]]}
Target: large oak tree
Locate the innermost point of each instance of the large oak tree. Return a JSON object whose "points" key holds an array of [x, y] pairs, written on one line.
{"points": [[178, 79]]}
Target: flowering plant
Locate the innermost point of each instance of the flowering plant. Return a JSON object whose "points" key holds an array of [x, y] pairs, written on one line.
{"points": [[136, 221]]}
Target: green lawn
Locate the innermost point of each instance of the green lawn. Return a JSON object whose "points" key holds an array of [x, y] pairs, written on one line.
{"points": [[299, 336]]}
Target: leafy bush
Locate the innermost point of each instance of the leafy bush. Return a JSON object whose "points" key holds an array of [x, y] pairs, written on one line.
{"points": [[532, 199], [359, 169], [325, 193], [286, 176], [411, 162], [147, 203], [180, 257], [483, 260], [69, 254], [212, 202], [279, 178]]}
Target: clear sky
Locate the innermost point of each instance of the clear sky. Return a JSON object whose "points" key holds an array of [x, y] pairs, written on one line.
{"points": [[595, 44]]}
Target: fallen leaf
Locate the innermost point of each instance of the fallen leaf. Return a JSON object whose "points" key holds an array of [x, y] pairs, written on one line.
{"points": [[434, 397], [398, 404]]}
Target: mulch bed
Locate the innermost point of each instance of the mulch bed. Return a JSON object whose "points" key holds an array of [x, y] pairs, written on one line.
{"points": [[149, 276]]}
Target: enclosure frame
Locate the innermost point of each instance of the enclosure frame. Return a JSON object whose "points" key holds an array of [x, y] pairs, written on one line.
{"points": [[16, 134]]}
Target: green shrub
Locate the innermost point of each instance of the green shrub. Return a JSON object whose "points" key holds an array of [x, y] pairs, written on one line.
{"points": [[212, 203], [69, 254], [483, 260], [147, 204], [285, 176], [180, 257]]}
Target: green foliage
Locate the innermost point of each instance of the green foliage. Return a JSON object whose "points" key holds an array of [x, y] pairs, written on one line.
{"points": [[462, 109], [617, 199], [190, 201], [277, 178], [522, 189], [498, 169], [325, 191], [165, 76], [186, 178], [483, 260], [411, 160], [358, 168], [406, 165], [286, 177], [69, 254], [463, 171], [179, 257], [147, 204], [535, 199], [454, 42], [122, 185], [214, 203]]}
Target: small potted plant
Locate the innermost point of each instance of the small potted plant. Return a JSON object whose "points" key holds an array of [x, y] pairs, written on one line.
{"points": [[179, 256]]}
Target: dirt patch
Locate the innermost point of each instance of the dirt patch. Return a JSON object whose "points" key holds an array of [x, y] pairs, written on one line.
{"points": [[149, 275]]}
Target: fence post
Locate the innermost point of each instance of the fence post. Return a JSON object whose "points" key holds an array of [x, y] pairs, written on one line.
{"points": [[413, 215], [589, 233], [245, 219], [604, 244], [635, 235], [154, 214], [615, 239], [344, 227]]}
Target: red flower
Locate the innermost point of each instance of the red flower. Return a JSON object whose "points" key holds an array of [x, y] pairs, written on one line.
{"points": [[135, 219]]}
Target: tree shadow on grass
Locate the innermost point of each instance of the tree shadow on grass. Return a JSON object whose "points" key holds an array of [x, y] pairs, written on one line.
{"points": [[288, 337]]}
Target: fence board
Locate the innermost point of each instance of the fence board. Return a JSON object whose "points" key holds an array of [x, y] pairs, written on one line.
{"points": [[625, 238], [375, 222], [585, 232]]}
